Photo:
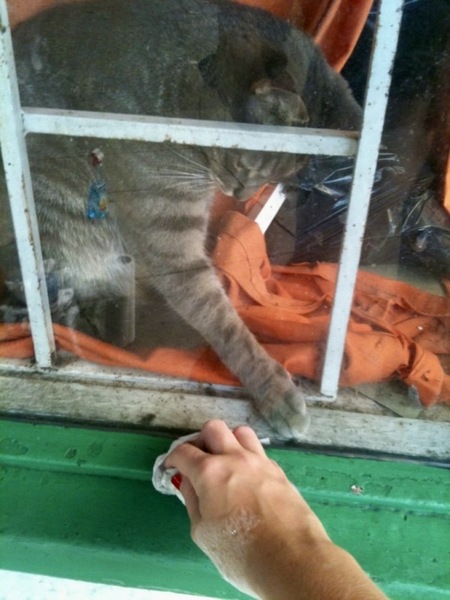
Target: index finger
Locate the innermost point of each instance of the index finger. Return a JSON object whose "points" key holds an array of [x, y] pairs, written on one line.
{"points": [[185, 458], [216, 437]]}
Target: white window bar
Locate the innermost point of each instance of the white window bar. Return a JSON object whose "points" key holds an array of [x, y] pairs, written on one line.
{"points": [[16, 122], [190, 131], [17, 173], [385, 45]]}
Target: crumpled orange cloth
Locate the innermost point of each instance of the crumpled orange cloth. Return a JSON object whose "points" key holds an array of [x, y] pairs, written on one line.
{"points": [[396, 330], [335, 24]]}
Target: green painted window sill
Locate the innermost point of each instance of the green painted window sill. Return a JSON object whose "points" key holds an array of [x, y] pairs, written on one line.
{"points": [[78, 503]]}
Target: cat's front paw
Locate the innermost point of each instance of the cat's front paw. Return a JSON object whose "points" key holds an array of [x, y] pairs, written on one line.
{"points": [[289, 416]]}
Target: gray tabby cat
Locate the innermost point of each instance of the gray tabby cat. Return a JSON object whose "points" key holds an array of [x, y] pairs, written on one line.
{"points": [[175, 58]]}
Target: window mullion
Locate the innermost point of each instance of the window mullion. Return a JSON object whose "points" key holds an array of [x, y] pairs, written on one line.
{"points": [[385, 44], [18, 180]]}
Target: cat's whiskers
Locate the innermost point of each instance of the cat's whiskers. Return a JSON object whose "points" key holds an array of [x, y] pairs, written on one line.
{"points": [[199, 180], [179, 174], [199, 166], [194, 181], [197, 188]]}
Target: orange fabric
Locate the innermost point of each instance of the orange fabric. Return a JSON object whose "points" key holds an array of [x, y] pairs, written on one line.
{"points": [[335, 24], [21, 10], [395, 330], [447, 187]]}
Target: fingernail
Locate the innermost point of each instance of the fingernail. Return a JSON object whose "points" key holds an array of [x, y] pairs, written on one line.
{"points": [[176, 480]]}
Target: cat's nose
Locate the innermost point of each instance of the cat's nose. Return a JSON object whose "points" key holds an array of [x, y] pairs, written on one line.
{"points": [[244, 193]]}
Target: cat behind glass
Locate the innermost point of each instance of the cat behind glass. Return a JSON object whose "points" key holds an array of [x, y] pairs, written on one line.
{"points": [[193, 59]]}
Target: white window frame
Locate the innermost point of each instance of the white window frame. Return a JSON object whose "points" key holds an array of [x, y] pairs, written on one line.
{"points": [[17, 121]]}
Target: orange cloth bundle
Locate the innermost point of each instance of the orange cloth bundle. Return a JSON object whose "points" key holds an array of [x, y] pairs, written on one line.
{"points": [[395, 330]]}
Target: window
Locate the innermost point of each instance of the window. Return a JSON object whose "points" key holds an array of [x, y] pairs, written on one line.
{"points": [[59, 385]]}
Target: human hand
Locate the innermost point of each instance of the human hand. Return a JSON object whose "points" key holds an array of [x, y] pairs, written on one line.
{"points": [[245, 514]]}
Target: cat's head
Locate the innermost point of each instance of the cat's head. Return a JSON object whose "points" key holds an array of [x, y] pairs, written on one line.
{"points": [[249, 73], [241, 173], [265, 71]]}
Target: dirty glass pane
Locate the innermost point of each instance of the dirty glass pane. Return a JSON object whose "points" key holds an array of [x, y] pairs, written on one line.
{"points": [[141, 240], [407, 236]]}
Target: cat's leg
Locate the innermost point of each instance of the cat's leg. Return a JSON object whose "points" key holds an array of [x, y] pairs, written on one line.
{"points": [[194, 291]]}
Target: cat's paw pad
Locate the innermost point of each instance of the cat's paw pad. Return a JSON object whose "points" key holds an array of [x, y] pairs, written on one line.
{"points": [[289, 417]]}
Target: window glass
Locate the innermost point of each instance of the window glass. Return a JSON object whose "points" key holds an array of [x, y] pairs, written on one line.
{"points": [[153, 253]]}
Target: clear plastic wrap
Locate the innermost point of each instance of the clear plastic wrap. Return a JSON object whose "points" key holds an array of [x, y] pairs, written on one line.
{"points": [[406, 225]]}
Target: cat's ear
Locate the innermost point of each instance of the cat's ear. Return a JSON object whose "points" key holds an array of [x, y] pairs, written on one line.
{"points": [[251, 77], [273, 105]]}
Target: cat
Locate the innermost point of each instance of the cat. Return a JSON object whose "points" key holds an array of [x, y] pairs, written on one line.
{"points": [[195, 59]]}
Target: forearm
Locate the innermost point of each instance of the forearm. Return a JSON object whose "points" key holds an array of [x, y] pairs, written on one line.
{"points": [[256, 527], [314, 570]]}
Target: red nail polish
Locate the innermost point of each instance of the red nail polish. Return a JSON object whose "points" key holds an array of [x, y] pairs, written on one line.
{"points": [[176, 480]]}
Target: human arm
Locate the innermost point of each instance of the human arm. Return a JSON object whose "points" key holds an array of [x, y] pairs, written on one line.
{"points": [[255, 526]]}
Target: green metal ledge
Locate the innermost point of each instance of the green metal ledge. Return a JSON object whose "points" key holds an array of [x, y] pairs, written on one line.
{"points": [[78, 503]]}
